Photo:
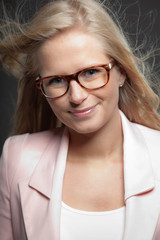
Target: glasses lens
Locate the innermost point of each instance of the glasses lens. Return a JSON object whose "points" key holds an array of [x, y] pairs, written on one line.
{"points": [[93, 78], [54, 86]]}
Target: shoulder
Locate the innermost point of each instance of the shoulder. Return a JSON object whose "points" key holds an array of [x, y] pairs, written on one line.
{"points": [[28, 142], [36, 139], [152, 140], [148, 132], [21, 153], [151, 136]]}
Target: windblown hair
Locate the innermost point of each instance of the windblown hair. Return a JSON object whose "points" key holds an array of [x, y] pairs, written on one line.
{"points": [[20, 42]]}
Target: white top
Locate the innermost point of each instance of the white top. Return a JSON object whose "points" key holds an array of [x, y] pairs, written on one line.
{"points": [[85, 225]]}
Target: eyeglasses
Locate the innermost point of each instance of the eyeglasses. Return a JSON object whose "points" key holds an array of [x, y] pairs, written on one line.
{"points": [[90, 78]]}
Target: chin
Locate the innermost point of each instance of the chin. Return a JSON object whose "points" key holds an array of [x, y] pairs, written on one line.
{"points": [[91, 128]]}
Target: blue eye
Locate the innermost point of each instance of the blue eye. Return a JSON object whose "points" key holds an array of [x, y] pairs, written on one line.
{"points": [[90, 72], [54, 82]]}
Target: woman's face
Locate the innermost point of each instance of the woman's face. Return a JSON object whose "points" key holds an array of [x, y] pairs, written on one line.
{"points": [[81, 110]]}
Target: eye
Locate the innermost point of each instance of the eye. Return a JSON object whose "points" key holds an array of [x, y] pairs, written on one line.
{"points": [[55, 81], [90, 72]]}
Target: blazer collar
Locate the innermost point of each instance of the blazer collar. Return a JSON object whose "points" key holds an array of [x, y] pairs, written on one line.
{"points": [[138, 173]]}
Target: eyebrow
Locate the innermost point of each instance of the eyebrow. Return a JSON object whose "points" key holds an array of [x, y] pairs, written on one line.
{"points": [[80, 69]]}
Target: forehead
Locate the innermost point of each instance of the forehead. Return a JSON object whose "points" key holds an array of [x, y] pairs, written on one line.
{"points": [[72, 37], [72, 49]]}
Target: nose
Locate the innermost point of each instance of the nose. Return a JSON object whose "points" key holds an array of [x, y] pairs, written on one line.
{"points": [[77, 94]]}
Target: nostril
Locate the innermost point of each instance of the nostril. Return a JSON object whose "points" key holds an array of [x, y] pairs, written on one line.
{"points": [[74, 104]]}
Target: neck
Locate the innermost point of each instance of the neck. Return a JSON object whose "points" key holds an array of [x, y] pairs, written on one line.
{"points": [[105, 144]]}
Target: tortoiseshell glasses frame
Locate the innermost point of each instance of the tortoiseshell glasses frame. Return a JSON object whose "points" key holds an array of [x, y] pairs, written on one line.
{"points": [[61, 83]]}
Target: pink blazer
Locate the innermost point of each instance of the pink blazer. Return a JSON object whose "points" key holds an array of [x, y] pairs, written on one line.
{"points": [[31, 177]]}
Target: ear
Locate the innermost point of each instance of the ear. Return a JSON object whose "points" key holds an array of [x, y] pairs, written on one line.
{"points": [[122, 77]]}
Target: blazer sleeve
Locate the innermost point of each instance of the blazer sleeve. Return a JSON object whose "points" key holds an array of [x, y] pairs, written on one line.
{"points": [[6, 232]]}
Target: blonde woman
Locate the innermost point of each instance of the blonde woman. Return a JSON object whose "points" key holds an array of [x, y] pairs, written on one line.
{"points": [[96, 176]]}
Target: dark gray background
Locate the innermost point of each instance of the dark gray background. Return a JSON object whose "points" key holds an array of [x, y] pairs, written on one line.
{"points": [[146, 13]]}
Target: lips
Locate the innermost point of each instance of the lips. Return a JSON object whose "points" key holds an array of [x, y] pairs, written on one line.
{"points": [[83, 112]]}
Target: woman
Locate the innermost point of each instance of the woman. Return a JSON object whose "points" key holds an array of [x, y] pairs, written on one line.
{"points": [[97, 176]]}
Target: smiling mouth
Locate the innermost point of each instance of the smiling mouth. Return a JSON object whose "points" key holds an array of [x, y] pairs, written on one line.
{"points": [[84, 112]]}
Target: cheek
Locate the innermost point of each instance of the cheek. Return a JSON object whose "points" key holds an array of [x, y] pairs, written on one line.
{"points": [[110, 92], [58, 107]]}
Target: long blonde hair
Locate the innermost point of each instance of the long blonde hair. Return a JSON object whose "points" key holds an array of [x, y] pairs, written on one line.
{"points": [[19, 45]]}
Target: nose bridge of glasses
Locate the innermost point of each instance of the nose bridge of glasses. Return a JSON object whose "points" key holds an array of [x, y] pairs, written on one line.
{"points": [[72, 77]]}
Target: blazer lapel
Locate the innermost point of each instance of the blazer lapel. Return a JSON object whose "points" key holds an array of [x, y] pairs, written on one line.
{"points": [[41, 194], [141, 190], [142, 212]]}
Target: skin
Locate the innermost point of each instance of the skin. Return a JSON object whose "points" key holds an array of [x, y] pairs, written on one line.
{"points": [[95, 152]]}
